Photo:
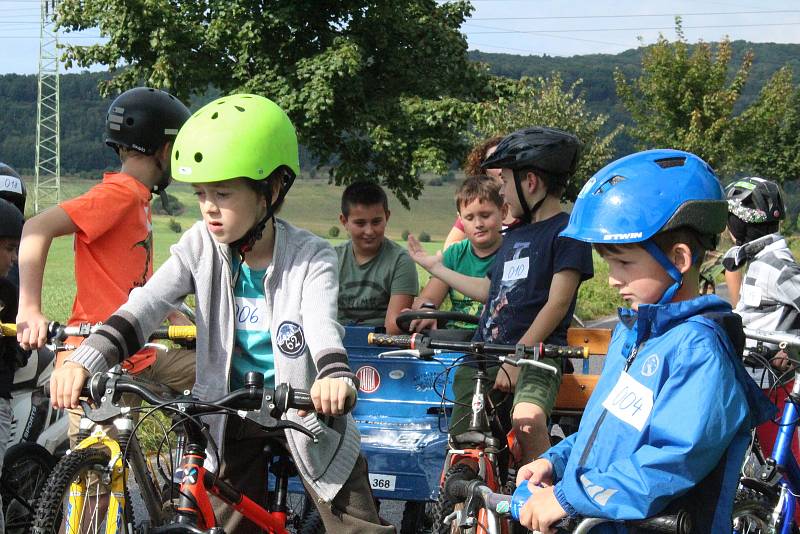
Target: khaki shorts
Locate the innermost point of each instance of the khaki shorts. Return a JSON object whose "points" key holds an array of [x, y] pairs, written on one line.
{"points": [[534, 386]]}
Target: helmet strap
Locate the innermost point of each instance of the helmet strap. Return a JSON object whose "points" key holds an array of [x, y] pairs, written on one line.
{"points": [[246, 243], [669, 267], [527, 211]]}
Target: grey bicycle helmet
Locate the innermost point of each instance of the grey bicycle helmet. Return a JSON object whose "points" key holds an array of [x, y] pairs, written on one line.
{"points": [[12, 188], [11, 220], [548, 151]]}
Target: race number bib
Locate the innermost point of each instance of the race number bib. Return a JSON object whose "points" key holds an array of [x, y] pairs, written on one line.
{"points": [[515, 269], [630, 401], [11, 183], [751, 295], [251, 314]]}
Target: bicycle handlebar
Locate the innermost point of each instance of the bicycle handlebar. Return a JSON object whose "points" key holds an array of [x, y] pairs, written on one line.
{"points": [[461, 490], [421, 342], [772, 337], [59, 332]]}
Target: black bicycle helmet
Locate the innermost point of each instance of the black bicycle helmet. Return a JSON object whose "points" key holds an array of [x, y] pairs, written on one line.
{"points": [[12, 188], [11, 220], [143, 119], [547, 150]]}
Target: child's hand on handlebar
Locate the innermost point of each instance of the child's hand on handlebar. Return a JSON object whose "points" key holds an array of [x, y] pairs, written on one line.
{"points": [[66, 383], [506, 379], [418, 254], [31, 329], [331, 396], [542, 510]]}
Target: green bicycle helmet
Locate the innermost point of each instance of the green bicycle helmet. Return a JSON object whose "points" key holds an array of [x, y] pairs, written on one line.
{"points": [[239, 136]]}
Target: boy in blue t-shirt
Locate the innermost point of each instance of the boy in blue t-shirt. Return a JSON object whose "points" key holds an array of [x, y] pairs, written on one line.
{"points": [[531, 290], [669, 421]]}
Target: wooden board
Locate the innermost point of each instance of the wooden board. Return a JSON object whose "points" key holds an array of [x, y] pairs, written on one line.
{"points": [[597, 339], [575, 391]]}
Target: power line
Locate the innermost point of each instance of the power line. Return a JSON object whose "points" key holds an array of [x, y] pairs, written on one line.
{"points": [[567, 17], [580, 30], [546, 34]]}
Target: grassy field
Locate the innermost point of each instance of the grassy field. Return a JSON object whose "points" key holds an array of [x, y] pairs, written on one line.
{"points": [[312, 205]]}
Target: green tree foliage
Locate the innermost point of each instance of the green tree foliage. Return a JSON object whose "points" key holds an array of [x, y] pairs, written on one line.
{"points": [[377, 90], [685, 97], [545, 102], [766, 137]]}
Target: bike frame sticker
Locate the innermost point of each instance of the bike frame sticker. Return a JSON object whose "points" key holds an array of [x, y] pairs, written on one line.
{"points": [[630, 401]]}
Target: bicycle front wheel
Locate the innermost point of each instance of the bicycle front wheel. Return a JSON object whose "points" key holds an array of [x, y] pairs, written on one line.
{"points": [[752, 514], [25, 471], [444, 506], [84, 511]]}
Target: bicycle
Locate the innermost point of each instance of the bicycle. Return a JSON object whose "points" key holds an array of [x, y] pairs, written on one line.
{"points": [[67, 492], [766, 502], [477, 496], [476, 454], [32, 466]]}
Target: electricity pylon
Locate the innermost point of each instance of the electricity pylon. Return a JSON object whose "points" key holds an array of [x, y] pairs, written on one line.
{"points": [[48, 145]]}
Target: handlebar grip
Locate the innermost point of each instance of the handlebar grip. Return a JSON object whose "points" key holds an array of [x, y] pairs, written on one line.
{"points": [[402, 341], [182, 332], [559, 351], [300, 399], [680, 523], [8, 329]]}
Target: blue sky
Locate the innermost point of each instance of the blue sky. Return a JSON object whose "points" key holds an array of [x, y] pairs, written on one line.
{"points": [[553, 27]]}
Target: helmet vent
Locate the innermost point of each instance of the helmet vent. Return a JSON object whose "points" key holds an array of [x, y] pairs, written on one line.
{"points": [[666, 163], [129, 121], [177, 154], [198, 157], [215, 115], [608, 184], [240, 108]]}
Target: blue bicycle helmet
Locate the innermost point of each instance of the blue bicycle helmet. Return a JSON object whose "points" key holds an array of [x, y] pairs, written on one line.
{"points": [[636, 197]]}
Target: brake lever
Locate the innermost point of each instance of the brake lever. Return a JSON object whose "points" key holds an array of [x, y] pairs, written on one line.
{"points": [[519, 362], [422, 354]]}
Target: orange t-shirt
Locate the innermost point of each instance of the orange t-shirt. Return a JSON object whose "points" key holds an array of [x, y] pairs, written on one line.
{"points": [[113, 245]]}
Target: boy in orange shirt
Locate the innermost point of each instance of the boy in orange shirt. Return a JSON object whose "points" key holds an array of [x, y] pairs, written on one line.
{"points": [[113, 231]]}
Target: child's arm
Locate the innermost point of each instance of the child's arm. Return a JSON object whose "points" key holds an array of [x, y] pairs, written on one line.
{"points": [[695, 416], [403, 288], [471, 286], [37, 236], [334, 389], [562, 291]]}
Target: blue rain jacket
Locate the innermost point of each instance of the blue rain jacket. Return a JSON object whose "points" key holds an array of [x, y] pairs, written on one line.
{"points": [[683, 409]]}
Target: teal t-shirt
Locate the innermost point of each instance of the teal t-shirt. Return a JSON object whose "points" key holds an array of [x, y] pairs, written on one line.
{"points": [[461, 257], [365, 290], [253, 348]]}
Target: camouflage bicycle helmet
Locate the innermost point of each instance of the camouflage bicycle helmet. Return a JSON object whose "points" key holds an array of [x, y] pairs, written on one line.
{"points": [[755, 208], [12, 188], [143, 119], [239, 136], [547, 150]]}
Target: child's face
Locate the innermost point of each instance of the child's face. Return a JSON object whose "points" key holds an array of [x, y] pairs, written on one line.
{"points": [[637, 276], [366, 225], [8, 254], [509, 193], [482, 222], [229, 208]]}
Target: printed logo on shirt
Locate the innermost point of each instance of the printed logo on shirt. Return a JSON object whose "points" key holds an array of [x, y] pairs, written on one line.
{"points": [[650, 365], [291, 339]]}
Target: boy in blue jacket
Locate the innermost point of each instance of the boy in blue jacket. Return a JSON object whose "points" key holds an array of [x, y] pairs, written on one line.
{"points": [[669, 421]]}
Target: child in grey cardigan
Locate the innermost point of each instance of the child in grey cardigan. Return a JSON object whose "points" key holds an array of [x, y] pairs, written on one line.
{"points": [[266, 296]]}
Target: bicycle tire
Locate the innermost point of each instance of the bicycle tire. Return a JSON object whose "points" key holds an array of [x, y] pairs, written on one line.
{"points": [[752, 512], [417, 518], [77, 464], [302, 512], [444, 506], [26, 468]]}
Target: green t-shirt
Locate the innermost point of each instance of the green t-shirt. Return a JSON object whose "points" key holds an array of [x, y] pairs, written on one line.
{"points": [[253, 348], [460, 257], [364, 290]]}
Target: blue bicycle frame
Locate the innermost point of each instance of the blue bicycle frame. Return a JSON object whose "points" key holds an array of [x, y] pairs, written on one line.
{"points": [[785, 464]]}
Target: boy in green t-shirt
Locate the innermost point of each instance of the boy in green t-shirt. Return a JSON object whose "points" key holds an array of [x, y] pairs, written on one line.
{"points": [[481, 210], [377, 278]]}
